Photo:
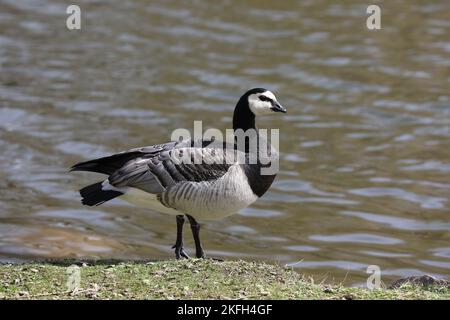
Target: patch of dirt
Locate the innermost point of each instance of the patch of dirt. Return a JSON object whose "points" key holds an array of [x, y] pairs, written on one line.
{"points": [[423, 281]]}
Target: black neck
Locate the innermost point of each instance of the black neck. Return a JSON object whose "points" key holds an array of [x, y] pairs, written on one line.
{"points": [[243, 118]]}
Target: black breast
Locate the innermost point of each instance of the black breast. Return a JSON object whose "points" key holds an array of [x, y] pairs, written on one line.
{"points": [[258, 183]]}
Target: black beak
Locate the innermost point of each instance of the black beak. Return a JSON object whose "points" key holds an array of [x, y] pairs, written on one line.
{"points": [[276, 107]]}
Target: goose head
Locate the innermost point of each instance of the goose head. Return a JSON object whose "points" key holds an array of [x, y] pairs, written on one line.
{"points": [[253, 103], [262, 101]]}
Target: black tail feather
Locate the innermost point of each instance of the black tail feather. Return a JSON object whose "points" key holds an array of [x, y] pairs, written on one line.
{"points": [[106, 165], [93, 195]]}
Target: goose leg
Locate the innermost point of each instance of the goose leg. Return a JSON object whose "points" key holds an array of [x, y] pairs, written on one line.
{"points": [[195, 227], [179, 251]]}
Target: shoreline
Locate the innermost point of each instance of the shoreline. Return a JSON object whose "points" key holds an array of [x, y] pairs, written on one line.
{"points": [[187, 279]]}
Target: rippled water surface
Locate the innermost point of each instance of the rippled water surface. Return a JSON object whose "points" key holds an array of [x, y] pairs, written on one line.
{"points": [[365, 147]]}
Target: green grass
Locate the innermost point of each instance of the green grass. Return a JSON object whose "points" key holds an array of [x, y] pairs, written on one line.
{"points": [[184, 279]]}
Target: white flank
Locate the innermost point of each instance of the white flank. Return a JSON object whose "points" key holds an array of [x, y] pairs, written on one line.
{"points": [[147, 200], [213, 200], [140, 198]]}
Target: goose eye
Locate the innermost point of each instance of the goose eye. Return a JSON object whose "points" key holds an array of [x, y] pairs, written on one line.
{"points": [[264, 98]]}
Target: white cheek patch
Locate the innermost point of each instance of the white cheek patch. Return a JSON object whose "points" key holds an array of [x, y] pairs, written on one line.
{"points": [[259, 107]]}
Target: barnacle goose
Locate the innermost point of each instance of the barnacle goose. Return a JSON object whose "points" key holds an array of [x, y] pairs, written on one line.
{"points": [[224, 181]]}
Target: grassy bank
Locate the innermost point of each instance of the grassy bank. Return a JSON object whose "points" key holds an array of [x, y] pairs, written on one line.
{"points": [[185, 279]]}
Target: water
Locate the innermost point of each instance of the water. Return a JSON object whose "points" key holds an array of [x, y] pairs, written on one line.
{"points": [[365, 168]]}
